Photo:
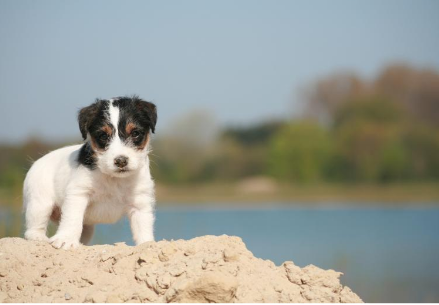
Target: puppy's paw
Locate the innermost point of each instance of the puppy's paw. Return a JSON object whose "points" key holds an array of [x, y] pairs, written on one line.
{"points": [[36, 235], [64, 242], [144, 239]]}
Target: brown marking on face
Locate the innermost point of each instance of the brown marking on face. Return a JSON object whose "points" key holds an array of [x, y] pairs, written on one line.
{"points": [[144, 142], [107, 129], [130, 127], [94, 145]]}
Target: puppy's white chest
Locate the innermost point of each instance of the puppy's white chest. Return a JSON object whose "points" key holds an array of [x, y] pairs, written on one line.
{"points": [[108, 203]]}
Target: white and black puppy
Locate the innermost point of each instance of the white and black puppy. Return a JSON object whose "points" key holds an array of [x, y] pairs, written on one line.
{"points": [[96, 182]]}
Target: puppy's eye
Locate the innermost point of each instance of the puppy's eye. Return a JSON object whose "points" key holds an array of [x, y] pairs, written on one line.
{"points": [[135, 134], [103, 137]]}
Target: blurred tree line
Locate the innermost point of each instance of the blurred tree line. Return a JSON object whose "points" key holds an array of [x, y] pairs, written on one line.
{"points": [[351, 130]]}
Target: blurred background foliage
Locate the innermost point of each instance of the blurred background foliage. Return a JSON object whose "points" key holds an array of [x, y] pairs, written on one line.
{"points": [[351, 130]]}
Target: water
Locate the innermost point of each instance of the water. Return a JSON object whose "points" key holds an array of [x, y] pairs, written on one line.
{"points": [[387, 255]]}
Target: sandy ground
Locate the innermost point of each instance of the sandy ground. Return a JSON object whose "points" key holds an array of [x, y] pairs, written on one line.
{"points": [[203, 269]]}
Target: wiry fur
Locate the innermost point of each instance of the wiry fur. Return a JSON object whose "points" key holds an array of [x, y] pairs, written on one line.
{"points": [[83, 185]]}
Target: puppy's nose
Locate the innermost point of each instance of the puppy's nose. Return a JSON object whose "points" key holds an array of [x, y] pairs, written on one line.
{"points": [[121, 161]]}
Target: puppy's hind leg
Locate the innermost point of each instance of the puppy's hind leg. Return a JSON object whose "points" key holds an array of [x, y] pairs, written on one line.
{"points": [[37, 218], [87, 234]]}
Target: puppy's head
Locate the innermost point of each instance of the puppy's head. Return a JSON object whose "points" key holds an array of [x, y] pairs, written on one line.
{"points": [[118, 133]]}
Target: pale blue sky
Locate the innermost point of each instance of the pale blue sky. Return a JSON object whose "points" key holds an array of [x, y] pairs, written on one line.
{"points": [[241, 60]]}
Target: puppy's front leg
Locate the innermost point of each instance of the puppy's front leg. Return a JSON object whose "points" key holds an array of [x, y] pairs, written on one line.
{"points": [[142, 224], [70, 227]]}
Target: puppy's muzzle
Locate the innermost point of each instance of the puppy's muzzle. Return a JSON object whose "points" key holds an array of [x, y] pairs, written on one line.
{"points": [[121, 161]]}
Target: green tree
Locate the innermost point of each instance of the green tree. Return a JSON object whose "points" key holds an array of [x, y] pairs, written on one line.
{"points": [[300, 152], [422, 143], [369, 137]]}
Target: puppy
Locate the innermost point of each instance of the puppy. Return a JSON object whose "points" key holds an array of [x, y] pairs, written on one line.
{"points": [[96, 182]]}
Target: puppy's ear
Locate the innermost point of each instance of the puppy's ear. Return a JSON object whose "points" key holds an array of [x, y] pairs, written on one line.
{"points": [[149, 110], [86, 116]]}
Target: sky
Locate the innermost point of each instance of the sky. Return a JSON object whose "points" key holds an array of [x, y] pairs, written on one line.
{"points": [[241, 61]]}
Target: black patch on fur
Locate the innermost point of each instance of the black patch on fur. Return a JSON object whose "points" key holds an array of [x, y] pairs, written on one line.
{"points": [[141, 113], [87, 157], [93, 117]]}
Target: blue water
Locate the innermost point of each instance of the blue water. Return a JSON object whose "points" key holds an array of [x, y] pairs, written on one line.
{"points": [[387, 255]]}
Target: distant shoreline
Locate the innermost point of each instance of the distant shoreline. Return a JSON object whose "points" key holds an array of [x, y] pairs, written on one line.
{"points": [[310, 195]]}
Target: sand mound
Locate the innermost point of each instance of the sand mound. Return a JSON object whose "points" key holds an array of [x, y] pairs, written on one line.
{"points": [[203, 269]]}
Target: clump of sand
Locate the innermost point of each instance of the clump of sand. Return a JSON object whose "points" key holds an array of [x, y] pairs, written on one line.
{"points": [[203, 269]]}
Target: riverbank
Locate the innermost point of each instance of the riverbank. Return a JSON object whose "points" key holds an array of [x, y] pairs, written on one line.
{"points": [[266, 192]]}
